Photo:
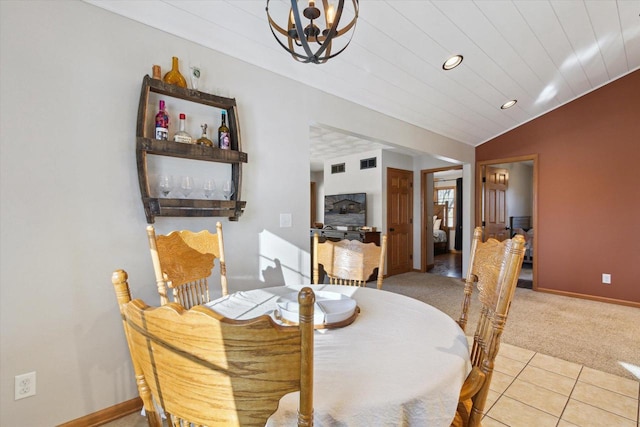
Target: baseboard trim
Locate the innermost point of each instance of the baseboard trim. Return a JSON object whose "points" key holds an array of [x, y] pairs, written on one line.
{"points": [[589, 297], [106, 415]]}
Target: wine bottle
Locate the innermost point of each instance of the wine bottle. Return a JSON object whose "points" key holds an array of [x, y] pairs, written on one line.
{"points": [[224, 137], [203, 140], [162, 123], [182, 135], [173, 76]]}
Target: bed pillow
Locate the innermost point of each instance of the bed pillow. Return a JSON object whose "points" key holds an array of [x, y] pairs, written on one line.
{"points": [[436, 224]]}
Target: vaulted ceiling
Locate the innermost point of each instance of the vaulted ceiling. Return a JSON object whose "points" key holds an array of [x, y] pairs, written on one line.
{"points": [[544, 53]]}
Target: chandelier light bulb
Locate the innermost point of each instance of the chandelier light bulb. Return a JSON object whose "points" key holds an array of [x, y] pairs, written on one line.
{"points": [[331, 15]]}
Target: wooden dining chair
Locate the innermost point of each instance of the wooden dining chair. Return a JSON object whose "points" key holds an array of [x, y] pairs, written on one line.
{"points": [[183, 260], [470, 280], [349, 262], [494, 268], [202, 368]]}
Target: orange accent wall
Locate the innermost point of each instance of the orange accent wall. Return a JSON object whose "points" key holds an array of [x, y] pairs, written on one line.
{"points": [[588, 190]]}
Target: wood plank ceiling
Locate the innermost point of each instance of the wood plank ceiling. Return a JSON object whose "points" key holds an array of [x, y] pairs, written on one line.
{"points": [[544, 53]]}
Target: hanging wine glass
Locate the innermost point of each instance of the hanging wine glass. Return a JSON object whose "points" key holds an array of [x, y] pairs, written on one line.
{"points": [[228, 189], [165, 185], [209, 187], [186, 185]]}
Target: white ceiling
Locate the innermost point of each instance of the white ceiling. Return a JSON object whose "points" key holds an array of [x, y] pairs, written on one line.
{"points": [[327, 143], [542, 53]]}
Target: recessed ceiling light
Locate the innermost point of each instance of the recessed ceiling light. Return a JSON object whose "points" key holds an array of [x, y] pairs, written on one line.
{"points": [[508, 104], [452, 62]]}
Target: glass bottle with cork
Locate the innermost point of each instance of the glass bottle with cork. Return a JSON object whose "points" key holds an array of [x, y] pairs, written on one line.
{"points": [[182, 135], [224, 137], [162, 123]]}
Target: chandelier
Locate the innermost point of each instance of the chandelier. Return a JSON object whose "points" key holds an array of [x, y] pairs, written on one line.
{"points": [[298, 39]]}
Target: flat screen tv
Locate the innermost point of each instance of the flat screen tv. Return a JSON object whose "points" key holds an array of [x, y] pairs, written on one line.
{"points": [[348, 210]]}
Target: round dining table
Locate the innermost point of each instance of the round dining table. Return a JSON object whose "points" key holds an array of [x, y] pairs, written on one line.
{"points": [[400, 363]]}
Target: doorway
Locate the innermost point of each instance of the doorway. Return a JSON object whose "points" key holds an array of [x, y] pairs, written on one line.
{"points": [[506, 204], [441, 196]]}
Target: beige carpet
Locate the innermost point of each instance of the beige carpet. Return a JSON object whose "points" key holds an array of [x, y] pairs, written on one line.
{"points": [[598, 335]]}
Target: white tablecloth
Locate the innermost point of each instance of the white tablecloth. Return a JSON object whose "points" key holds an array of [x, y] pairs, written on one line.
{"points": [[401, 363]]}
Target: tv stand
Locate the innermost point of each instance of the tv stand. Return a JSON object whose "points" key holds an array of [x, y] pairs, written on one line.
{"points": [[336, 235]]}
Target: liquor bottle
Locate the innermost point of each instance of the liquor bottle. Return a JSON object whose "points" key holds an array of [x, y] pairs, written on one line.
{"points": [[224, 137], [162, 123], [182, 135], [173, 76], [203, 140]]}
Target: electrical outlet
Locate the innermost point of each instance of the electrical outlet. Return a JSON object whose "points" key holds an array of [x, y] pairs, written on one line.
{"points": [[606, 279], [25, 385]]}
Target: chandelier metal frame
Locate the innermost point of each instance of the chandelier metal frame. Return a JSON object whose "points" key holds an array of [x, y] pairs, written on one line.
{"points": [[299, 37]]}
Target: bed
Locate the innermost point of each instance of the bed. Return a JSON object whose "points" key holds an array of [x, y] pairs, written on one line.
{"points": [[440, 229], [522, 225]]}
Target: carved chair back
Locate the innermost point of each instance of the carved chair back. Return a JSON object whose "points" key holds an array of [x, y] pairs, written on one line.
{"points": [[494, 268], [205, 369], [349, 262], [183, 260]]}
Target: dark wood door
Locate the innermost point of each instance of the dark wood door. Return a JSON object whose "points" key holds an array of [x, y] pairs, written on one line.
{"points": [[314, 196], [495, 203], [399, 221]]}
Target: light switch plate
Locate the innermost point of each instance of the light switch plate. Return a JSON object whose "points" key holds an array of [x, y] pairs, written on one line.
{"points": [[606, 279], [285, 220]]}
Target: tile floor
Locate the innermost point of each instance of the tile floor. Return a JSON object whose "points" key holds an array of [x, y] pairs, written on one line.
{"points": [[533, 389]]}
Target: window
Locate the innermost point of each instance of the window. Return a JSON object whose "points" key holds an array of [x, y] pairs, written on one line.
{"points": [[447, 194], [368, 163], [337, 168]]}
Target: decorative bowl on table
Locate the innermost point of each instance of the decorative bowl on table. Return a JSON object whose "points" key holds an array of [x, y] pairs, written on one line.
{"points": [[331, 310]]}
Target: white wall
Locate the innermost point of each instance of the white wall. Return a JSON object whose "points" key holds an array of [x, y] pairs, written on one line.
{"points": [[356, 180], [520, 191], [70, 211]]}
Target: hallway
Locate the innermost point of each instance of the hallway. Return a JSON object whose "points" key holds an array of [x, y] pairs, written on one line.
{"points": [[449, 264]]}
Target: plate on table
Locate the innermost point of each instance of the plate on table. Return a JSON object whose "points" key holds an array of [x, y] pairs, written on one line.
{"points": [[331, 310]]}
